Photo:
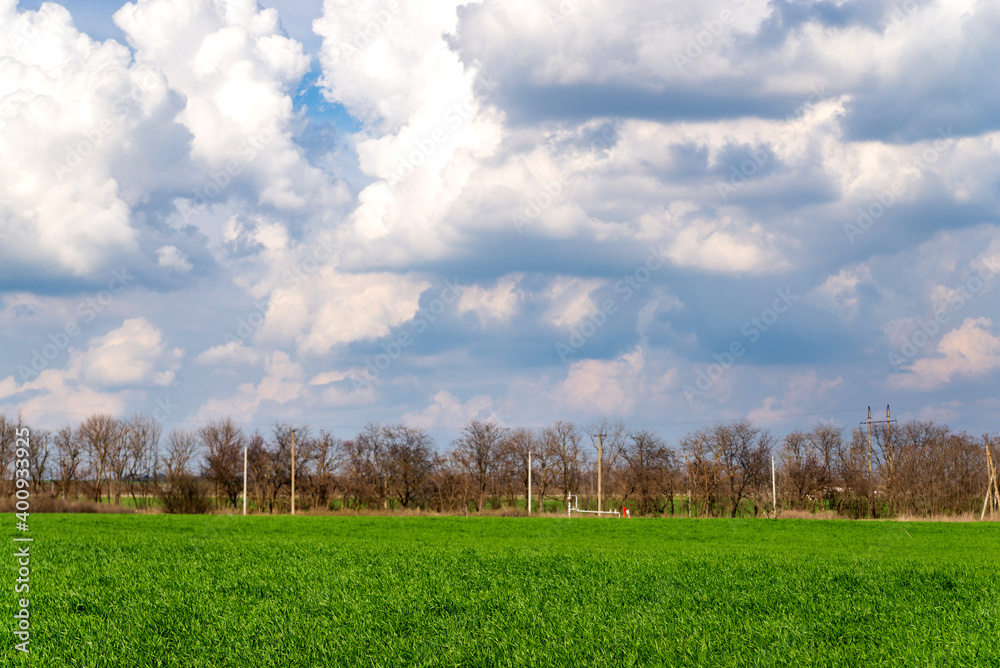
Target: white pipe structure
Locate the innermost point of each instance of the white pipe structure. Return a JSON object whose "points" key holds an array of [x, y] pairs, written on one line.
{"points": [[600, 459], [244, 480], [529, 482], [570, 509]]}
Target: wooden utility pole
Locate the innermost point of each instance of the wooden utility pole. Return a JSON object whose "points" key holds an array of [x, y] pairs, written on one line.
{"points": [[600, 460], [774, 490], [992, 495], [293, 472], [887, 421], [888, 435], [871, 483], [993, 477], [869, 444], [890, 460]]}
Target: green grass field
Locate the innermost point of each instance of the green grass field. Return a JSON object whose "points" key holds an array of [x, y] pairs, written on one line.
{"points": [[157, 590]]}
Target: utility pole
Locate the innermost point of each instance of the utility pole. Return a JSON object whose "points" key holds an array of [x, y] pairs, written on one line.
{"points": [[887, 421], [529, 482], [871, 488], [293, 472], [869, 444], [992, 499], [245, 447], [993, 478], [774, 490], [889, 455], [600, 459]]}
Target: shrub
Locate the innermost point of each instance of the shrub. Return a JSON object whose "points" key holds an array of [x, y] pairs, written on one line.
{"points": [[186, 495]]}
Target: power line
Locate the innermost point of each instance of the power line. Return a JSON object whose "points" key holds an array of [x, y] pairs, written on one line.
{"points": [[955, 420]]}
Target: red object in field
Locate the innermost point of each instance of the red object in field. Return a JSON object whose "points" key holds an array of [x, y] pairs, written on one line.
{"points": [[624, 511]]}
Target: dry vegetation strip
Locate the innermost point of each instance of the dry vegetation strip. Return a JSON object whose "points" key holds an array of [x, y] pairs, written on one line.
{"points": [[916, 468]]}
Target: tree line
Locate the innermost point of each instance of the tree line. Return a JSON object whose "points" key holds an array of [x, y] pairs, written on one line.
{"points": [[916, 468]]}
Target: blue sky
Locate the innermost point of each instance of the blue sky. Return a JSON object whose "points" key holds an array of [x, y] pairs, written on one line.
{"points": [[333, 212]]}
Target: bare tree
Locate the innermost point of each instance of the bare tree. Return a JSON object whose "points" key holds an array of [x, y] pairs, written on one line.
{"points": [[614, 436], [366, 459], [223, 442], [826, 440], [731, 459], [262, 473], [916, 467], [281, 452], [409, 461], [182, 446], [141, 445], [704, 469], [479, 448], [327, 457], [649, 471], [745, 453], [544, 471], [934, 471], [522, 444], [857, 497], [563, 441], [69, 460], [366, 464], [183, 492], [504, 483], [801, 468], [8, 441], [39, 450], [452, 486], [101, 436]]}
